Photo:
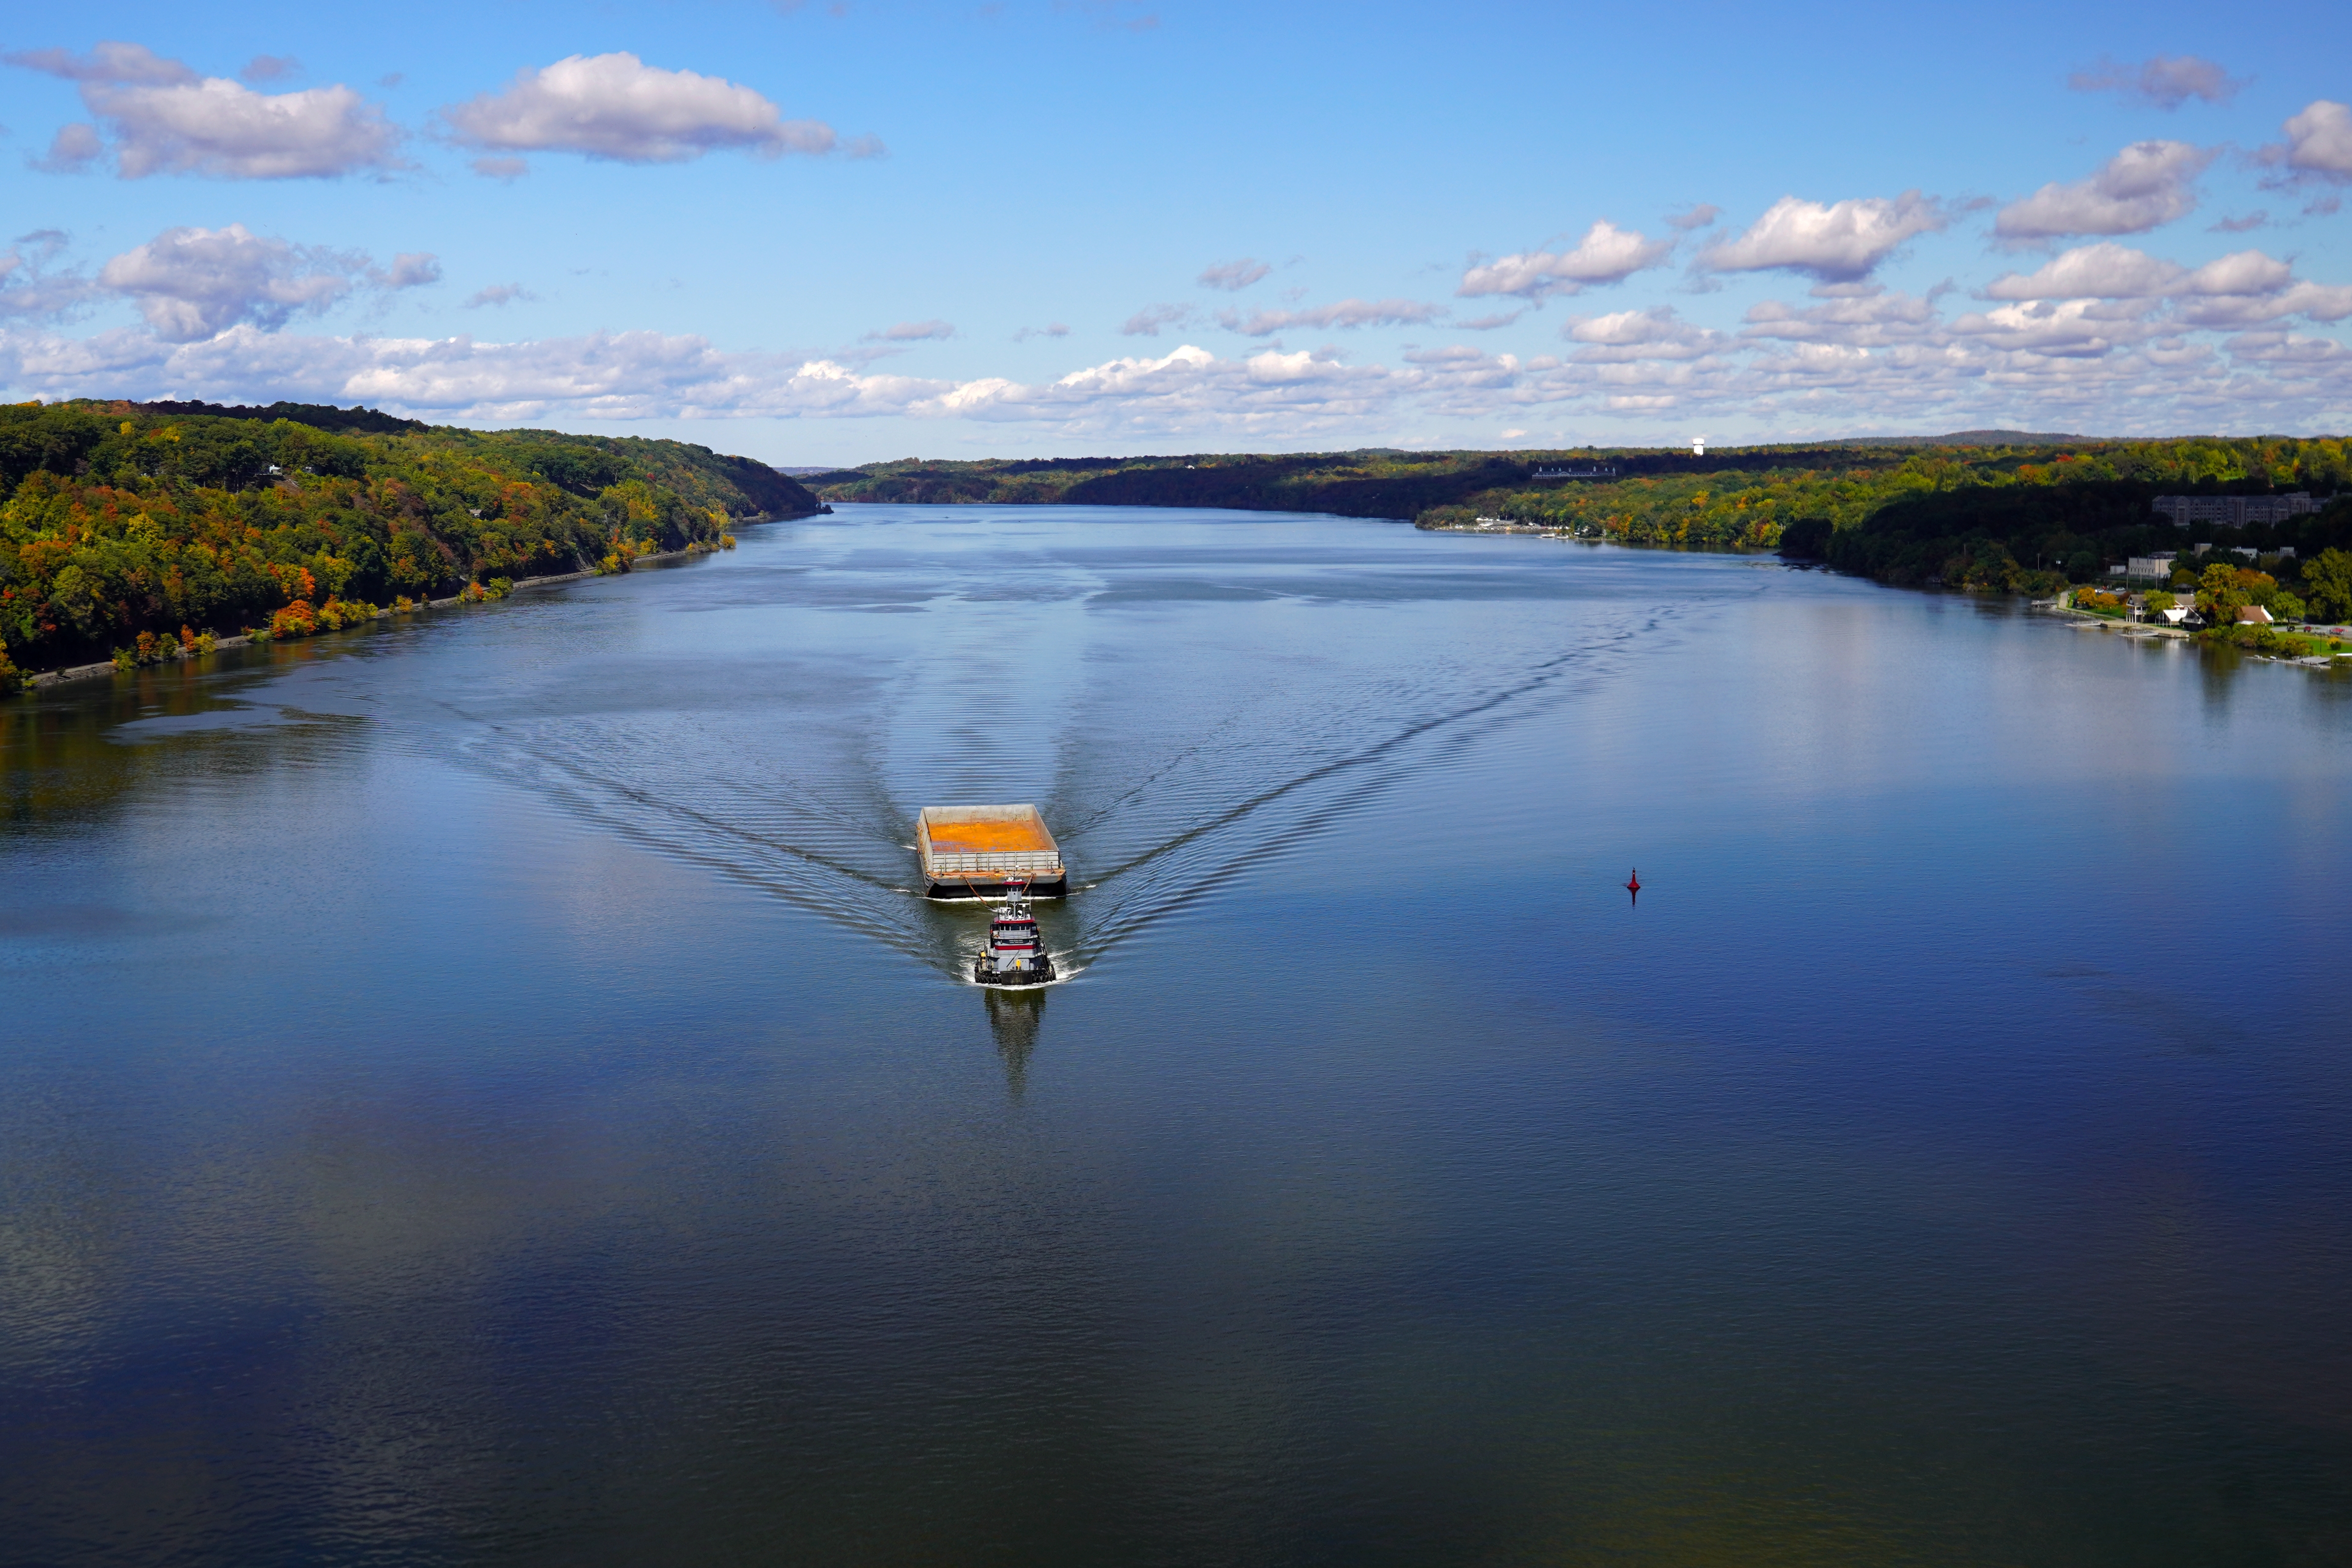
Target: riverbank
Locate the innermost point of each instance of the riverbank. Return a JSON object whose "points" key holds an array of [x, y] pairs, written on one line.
{"points": [[2291, 645], [42, 679]]}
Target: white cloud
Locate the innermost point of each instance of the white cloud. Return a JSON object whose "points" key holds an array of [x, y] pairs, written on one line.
{"points": [[617, 107], [2146, 185], [1052, 330], [1654, 334], [1147, 322], [2102, 271], [1697, 215], [2319, 143], [409, 269], [192, 283], [1348, 314], [74, 150], [271, 67], [498, 294], [128, 63], [2087, 364], [2236, 292], [2166, 82], [1868, 321], [1606, 254], [1233, 276], [28, 291], [912, 332], [227, 131], [2058, 327], [165, 120], [1839, 242], [2232, 312]]}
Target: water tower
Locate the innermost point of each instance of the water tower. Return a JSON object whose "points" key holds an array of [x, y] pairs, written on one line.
{"points": [[1698, 445]]}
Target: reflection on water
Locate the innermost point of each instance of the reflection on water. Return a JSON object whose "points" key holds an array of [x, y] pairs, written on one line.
{"points": [[488, 1086], [1013, 1018]]}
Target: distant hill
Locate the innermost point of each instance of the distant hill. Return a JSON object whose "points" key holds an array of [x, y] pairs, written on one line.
{"points": [[1968, 438], [123, 523]]}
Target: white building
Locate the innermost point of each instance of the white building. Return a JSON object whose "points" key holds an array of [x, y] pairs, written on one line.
{"points": [[2158, 566], [2233, 511]]}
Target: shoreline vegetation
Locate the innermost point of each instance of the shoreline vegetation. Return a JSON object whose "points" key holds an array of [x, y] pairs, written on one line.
{"points": [[1988, 511], [137, 533]]}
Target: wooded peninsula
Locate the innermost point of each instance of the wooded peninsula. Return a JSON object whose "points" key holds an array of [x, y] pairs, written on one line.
{"points": [[143, 530]]}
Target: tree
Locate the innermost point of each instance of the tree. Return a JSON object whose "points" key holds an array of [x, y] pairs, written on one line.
{"points": [[2219, 597], [2327, 577]]}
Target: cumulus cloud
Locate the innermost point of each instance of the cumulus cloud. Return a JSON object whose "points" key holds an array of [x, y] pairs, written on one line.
{"points": [[1840, 242], [1875, 319], [193, 283], [1147, 322], [1347, 313], [2096, 363], [2146, 185], [1606, 254], [2066, 328], [2244, 290], [165, 119], [2103, 271], [1654, 334], [911, 333], [1233, 276], [617, 107], [2166, 82], [2318, 144], [497, 294]]}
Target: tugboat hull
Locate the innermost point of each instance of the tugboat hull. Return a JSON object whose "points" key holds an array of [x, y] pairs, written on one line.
{"points": [[981, 975]]}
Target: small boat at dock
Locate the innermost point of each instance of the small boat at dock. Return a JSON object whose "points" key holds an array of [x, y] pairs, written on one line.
{"points": [[1015, 953]]}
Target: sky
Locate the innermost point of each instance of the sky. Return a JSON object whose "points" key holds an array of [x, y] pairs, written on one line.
{"points": [[822, 233]]}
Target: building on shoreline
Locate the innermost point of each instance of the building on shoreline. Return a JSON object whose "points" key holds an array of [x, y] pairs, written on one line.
{"points": [[2233, 511]]}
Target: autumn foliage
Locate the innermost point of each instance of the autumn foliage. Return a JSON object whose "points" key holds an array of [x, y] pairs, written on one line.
{"points": [[133, 531]]}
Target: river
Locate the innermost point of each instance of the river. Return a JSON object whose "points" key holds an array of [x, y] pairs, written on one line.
{"points": [[484, 1087]]}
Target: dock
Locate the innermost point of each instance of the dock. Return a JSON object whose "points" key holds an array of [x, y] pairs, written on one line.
{"points": [[977, 851]]}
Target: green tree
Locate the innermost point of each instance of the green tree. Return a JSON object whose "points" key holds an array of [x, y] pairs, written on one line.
{"points": [[2327, 580], [2219, 597]]}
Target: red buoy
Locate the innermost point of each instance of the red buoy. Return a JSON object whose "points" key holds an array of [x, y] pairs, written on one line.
{"points": [[1634, 884]]}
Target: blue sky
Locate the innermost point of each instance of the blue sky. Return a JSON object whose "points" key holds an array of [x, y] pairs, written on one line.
{"points": [[834, 233]]}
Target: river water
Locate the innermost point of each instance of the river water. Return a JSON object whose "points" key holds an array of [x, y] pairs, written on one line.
{"points": [[481, 1087]]}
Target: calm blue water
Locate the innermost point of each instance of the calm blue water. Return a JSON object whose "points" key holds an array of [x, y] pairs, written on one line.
{"points": [[481, 1089]]}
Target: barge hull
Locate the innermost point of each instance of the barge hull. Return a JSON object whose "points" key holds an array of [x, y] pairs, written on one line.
{"points": [[981, 851]]}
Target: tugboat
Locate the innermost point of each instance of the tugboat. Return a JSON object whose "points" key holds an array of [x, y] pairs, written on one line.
{"points": [[1015, 954]]}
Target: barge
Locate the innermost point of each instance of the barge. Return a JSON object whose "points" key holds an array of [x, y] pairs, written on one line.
{"points": [[974, 851]]}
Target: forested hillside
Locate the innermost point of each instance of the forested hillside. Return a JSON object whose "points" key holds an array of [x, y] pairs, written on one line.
{"points": [[1978, 510], [166, 519]]}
